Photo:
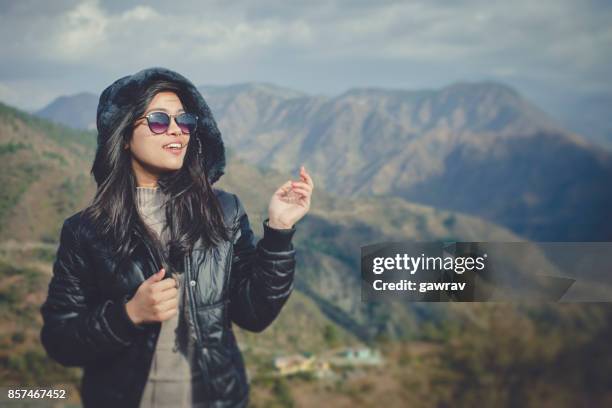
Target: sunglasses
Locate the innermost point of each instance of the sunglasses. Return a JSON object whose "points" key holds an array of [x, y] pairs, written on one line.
{"points": [[159, 122]]}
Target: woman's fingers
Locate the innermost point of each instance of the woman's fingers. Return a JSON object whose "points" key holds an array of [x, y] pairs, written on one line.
{"points": [[302, 191], [166, 305], [283, 189], [303, 188], [163, 284], [166, 294], [301, 184], [306, 177]]}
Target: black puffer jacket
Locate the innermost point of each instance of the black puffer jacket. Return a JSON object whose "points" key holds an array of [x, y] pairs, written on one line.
{"points": [[84, 318], [85, 323]]}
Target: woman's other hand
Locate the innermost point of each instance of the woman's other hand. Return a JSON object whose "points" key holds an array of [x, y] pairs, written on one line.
{"points": [[155, 300], [290, 202]]}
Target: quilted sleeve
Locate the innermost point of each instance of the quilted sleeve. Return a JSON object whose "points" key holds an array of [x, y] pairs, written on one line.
{"points": [[261, 277], [77, 331]]}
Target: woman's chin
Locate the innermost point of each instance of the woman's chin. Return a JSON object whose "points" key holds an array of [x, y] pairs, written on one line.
{"points": [[172, 163], [175, 167], [168, 165], [160, 164]]}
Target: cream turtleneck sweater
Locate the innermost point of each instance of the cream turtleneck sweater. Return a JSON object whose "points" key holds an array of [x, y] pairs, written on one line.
{"points": [[174, 379]]}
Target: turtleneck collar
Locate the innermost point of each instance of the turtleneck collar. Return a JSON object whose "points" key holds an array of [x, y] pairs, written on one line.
{"points": [[149, 196]]}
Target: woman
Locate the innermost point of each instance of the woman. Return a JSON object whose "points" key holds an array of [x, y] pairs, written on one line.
{"points": [[150, 277]]}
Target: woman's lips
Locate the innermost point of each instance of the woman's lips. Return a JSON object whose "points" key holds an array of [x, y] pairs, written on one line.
{"points": [[175, 151]]}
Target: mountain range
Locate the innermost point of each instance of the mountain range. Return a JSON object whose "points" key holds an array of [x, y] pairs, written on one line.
{"points": [[477, 148]]}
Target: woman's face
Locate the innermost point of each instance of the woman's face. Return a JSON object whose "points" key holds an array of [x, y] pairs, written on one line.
{"points": [[150, 156]]}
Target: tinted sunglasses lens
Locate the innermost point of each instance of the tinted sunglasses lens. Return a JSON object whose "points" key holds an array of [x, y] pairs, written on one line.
{"points": [[158, 122], [187, 122]]}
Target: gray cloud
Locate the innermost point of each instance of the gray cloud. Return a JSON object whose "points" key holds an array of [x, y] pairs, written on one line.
{"points": [[317, 46]]}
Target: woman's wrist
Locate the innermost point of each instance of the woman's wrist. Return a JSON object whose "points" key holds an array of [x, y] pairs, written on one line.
{"points": [[277, 239], [278, 225], [130, 314]]}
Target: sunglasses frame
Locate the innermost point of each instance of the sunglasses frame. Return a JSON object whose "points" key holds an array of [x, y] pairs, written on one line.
{"points": [[171, 117]]}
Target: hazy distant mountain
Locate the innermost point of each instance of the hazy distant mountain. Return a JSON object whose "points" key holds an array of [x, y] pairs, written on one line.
{"points": [[76, 111], [478, 148]]}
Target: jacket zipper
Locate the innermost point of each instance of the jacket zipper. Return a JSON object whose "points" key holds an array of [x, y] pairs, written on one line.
{"points": [[192, 307], [194, 316]]}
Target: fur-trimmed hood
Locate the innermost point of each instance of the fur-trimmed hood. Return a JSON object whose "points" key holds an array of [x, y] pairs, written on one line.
{"points": [[122, 92]]}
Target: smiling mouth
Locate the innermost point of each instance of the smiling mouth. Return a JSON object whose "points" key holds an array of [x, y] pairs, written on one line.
{"points": [[174, 146]]}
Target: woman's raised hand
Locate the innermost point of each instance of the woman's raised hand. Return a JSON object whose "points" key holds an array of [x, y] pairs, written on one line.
{"points": [[290, 202], [155, 300]]}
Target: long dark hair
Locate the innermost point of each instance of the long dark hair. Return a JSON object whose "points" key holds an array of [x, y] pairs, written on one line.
{"points": [[192, 211]]}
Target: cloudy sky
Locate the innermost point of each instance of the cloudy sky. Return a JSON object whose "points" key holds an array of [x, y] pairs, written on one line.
{"points": [[548, 49]]}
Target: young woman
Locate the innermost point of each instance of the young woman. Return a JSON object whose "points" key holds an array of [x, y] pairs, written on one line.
{"points": [[150, 277]]}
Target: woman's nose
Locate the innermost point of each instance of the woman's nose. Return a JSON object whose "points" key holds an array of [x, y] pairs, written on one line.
{"points": [[173, 129]]}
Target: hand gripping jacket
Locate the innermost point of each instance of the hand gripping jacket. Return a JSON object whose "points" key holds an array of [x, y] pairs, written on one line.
{"points": [[85, 323]]}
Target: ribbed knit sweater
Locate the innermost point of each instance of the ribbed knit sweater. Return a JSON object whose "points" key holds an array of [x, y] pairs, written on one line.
{"points": [[174, 379]]}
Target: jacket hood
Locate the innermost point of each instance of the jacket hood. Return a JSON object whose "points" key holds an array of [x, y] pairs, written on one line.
{"points": [[125, 91]]}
